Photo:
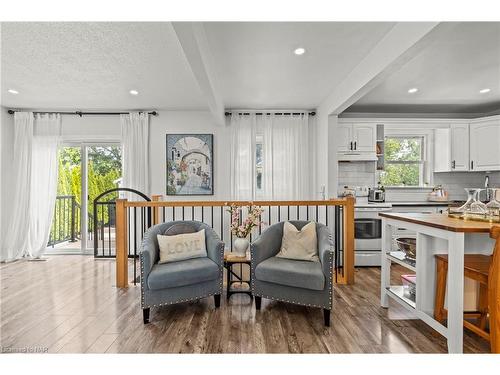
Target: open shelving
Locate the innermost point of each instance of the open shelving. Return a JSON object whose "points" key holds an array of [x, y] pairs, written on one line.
{"points": [[380, 144], [401, 262], [397, 293]]}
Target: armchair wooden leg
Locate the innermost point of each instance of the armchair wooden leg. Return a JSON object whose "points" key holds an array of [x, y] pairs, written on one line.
{"points": [[145, 315], [326, 316], [258, 301], [217, 300]]}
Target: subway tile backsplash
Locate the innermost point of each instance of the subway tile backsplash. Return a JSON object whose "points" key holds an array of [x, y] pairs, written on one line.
{"points": [[356, 173], [455, 182], [364, 173]]}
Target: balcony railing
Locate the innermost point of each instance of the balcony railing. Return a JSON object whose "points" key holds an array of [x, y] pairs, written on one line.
{"points": [[66, 221], [337, 214]]}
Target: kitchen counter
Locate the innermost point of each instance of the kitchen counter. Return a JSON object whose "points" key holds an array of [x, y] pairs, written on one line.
{"points": [[441, 221], [426, 203]]}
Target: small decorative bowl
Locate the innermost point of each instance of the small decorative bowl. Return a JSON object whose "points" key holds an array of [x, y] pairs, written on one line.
{"points": [[408, 246]]}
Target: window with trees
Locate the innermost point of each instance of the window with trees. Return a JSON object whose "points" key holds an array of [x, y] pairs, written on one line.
{"points": [[404, 161]]}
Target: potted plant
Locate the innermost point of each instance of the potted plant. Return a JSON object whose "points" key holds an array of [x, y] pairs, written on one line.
{"points": [[242, 228]]}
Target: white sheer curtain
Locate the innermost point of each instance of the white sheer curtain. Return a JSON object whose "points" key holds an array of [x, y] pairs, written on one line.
{"points": [[14, 243], [36, 141], [286, 157], [135, 151], [46, 142], [286, 171], [243, 133]]}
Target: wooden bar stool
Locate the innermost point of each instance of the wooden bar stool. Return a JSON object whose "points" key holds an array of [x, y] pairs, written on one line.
{"points": [[484, 269]]}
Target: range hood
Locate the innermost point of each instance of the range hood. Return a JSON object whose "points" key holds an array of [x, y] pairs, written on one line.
{"points": [[357, 156]]}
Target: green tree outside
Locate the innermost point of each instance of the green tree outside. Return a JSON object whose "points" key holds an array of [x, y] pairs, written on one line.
{"points": [[402, 150], [104, 168]]}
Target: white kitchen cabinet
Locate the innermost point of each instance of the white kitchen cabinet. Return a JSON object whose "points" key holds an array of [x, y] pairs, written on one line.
{"points": [[442, 150], [345, 137], [364, 136], [357, 141], [484, 138], [459, 147], [451, 148]]}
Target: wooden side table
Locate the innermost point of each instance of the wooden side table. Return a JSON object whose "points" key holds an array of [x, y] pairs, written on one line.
{"points": [[245, 286]]}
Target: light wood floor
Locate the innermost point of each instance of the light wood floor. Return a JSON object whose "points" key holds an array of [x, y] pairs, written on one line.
{"points": [[68, 304]]}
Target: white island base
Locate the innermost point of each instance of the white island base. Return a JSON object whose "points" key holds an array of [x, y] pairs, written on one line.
{"points": [[436, 234]]}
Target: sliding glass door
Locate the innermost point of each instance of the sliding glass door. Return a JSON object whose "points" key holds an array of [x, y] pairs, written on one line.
{"points": [[86, 170]]}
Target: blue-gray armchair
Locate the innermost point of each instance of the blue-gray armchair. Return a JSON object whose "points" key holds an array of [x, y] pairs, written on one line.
{"points": [[186, 280], [294, 281]]}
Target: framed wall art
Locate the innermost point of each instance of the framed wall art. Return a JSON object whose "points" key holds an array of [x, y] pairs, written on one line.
{"points": [[190, 167]]}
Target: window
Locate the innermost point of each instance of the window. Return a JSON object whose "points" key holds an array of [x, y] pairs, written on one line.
{"points": [[404, 161], [258, 164]]}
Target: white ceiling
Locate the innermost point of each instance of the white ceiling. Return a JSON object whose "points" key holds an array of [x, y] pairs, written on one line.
{"points": [[256, 66], [460, 61], [94, 65]]}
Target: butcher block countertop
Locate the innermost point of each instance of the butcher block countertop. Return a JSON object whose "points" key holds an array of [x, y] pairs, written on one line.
{"points": [[441, 221]]}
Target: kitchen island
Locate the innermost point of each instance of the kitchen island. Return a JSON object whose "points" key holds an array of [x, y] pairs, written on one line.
{"points": [[435, 234]]}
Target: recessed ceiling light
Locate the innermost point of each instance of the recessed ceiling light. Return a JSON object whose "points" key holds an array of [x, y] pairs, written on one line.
{"points": [[299, 51], [134, 92], [12, 91], [413, 90], [484, 91]]}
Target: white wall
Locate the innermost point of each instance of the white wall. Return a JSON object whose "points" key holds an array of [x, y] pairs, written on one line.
{"points": [[326, 155], [178, 122], [107, 128]]}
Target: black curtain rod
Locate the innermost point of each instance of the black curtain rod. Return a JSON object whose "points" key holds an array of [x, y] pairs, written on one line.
{"points": [[270, 113], [80, 113]]}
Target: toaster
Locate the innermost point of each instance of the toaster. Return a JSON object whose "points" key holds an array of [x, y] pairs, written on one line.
{"points": [[376, 195]]}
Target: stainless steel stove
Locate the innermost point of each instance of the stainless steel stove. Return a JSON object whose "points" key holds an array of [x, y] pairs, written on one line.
{"points": [[368, 233], [368, 229]]}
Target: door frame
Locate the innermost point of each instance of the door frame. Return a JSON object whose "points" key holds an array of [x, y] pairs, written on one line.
{"points": [[84, 214]]}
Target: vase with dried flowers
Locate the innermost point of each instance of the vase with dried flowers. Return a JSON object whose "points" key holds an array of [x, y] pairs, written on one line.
{"points": [[242, 228]]}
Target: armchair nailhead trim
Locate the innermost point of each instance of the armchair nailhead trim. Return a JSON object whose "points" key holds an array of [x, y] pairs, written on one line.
{"points": [[329, 284], [221, 270], [294, 302]]}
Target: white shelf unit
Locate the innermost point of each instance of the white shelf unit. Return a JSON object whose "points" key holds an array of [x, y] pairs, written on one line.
{"points": [[396, 293], [401, 262]]}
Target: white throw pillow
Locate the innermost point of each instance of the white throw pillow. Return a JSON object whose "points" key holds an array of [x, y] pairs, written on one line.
{"points": [[182, 246], [299, 244]]}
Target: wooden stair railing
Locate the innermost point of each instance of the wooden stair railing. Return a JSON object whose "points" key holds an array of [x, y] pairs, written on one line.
{"points": [[122, 206]]}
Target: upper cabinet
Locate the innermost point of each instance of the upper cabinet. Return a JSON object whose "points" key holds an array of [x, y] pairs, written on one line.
{"points": [[451, 148], [356, 141], [464, 147], [485, 145], [459, 147], [345, 138], [365, 137]]}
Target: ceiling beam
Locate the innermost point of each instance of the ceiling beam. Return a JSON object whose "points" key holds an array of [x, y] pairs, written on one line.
{"points": [[403, 42], [194, 43]]}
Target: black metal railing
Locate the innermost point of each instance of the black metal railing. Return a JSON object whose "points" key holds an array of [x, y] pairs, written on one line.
{"points": [[216, 215], [66, 221], [103, 226]]}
